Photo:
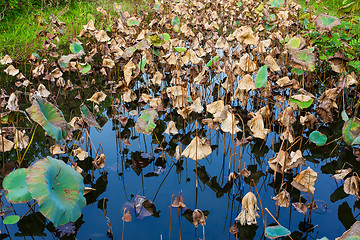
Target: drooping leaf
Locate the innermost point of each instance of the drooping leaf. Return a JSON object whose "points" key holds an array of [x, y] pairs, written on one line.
{"points": [[295, 43], [176, 23], [49, 117], [165, 36], [16, 187], [212, 61], [88, 117], [84, 68], [274, 232], [146, 122], [58, 189], [179, 49], [318, 138], [305, 59], [324, 23], [301, 100], [76, 47], [351, 131], [12, 219], [142, 64], [261, 77]]}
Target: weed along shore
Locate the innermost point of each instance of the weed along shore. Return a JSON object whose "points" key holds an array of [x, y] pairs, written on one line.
{"points": [[180, 120]]}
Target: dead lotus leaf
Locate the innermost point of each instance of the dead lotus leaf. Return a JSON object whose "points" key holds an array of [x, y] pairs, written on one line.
{"points": [[21, 140], [5, 60], [284, 82], [229, 124], [215, 108], [246, 64], [5, 145], [296, 160], [108, 62], [256, 125], [300, 207], [42, 91], [245, 35], [128, 69], [11, 70], [190, 56], [198, 217], [81, 154], [282, 199], [89, 26], [341, 173], [197, 149], [56, 149], [157, 79], [278, 163], [13, 103], [352, 185], [99, 161], [97, 97], [246, 83], [272, 63], [101, 36], [128, 96], [352, 233], [305, 181], [171, 128], [249, 210]]}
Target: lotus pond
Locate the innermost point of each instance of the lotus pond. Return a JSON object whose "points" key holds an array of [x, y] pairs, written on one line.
{"points": [[193, 120]]}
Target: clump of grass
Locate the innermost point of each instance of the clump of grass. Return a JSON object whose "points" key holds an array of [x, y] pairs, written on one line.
{"points": [[19, 31]]}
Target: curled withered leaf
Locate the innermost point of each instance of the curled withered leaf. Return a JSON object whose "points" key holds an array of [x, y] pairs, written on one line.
{"points": [[190, 56], [249, 210], [97, 97], [177, 154], [305, 181], [246, 64], [274, 67], [145, 98], [232, 177], [88, 189], [352, 185], [284, 82], [76, 168], [101, 36], [282, 199], [308, 120], [211, 124], [89, 26], [5, 145], [99, 161], [256, 125], [175, 203], [233, 229], [123, 120], [171, 128], [341, 173], [56, 149], [13, 103], [5, 60], [296, 160], [11, 70], [300, 207], [81, 154], [42, 91], [278, 163], [197, 149], [246, 82], [197, 106], [185, 111], [127, 216], [352, 233], [287, 117], [215, 108], [229, 124], [157, 78], [245, 173], [21, 140], [245, 35], [198, 217]]}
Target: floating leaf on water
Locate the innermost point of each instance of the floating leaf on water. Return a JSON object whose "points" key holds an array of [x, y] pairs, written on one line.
{"points": [[88, 117], [261, 77], [12, 219], [351, 131], [197, 149], [274, 232], [318, 138], [212, 61], [76, 47], [16, 187], [146, 122], [49, 117], [249, 210], [324, 23], [58, 189]]}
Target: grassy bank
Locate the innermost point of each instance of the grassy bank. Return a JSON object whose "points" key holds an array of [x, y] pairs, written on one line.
{"points": [[19, 30]]}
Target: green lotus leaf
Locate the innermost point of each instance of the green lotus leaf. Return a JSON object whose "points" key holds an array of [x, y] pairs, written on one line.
{"points": [[132, 22], [128, 52], [146, 122], [155, 40], [239, 4], [305, 59], [142, 64], [318, 138], [212, 61], [351, 131], [16, 187], [324, 23], [278, 231], [301, 103], [165, 36], [295, 43], [179, 49], [176, 23], [12, 219], [76, 47], [58, 189], [88, 117], [49, 117], [84, 68], [276, 3], [261, 77], [344, 116]]}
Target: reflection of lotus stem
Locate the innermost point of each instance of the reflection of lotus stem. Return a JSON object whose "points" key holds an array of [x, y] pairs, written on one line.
{"points": [[262, 210], [123, 230], [203, 231], [29, 209], [170, 216], [179, 223], [32, 137]]}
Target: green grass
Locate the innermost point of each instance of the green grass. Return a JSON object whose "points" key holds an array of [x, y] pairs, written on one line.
{"points": [[18, 31], [318, 6]]}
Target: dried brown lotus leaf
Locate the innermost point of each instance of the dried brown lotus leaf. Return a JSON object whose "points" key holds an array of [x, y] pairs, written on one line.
{"points": [[128, 70], [245, 173], [341, 173], [21, 140], [128, 96], [108, 62], [287, 135], [99, 161], [198, 217], [282, 199], [305, 181], [171, 59], [197, 106], [300, 207], [246, 64], [210, 123], [89, 26], [81, 154], [261, 47], [6, 60], [284, 82], [296, 160], [13, 103], [246, 83], [197, 149], [287, 117], [157, 78], [199, 79], [222, 43], [171, 128], [88, 189], [42, 91], [5, 145], [56, 149], [256, 125], [77, 168], [11, 70], [101, 36], [352, 185], [272, 63], [215, 108], [249, 210], [245, 35], [97, 97], [190, 56], [309, 120], [185, 112], [229, 124], [279, 161], [352, 233]]}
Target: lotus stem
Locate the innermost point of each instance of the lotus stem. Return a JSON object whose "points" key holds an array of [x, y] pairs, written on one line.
{"points": [[179, 223], [170, 216], [29, 209], [262, 210], [32, 138], [123, 230], [267, 210], [203, 225]]}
